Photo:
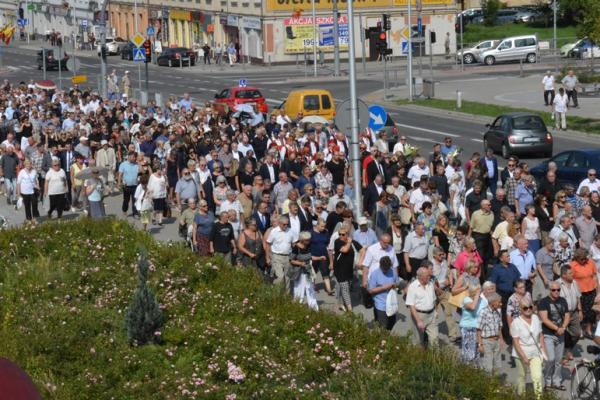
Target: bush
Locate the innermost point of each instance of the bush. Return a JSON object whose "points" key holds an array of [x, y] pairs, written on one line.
{"points": [[490, 11], [64, 289]]}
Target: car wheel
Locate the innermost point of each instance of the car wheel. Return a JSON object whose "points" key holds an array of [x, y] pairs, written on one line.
{"points": [[505, 151], [490, 60], [531, 58], [468, 58]]}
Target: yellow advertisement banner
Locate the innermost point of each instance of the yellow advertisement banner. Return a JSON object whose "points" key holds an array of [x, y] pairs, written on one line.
{"points": [[300, 34], [306, 5]]}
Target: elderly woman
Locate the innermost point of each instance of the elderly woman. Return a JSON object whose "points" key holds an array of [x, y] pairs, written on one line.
{"points": [[345, 251], [585, 274], [250, 244], [471, 306], [469, 253], [320, 256], [513, 309], [558, 207], [529, 348], [530, 228], [203, 224], [563, 251], [94, 191], [504, 233], [301, 272]]}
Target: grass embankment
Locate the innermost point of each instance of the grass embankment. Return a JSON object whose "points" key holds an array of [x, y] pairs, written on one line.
{"points": [[475, 33], [64, 289], [581, 124]]}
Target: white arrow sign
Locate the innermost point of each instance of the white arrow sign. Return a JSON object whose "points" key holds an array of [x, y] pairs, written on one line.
{"points": [[377, 119]]}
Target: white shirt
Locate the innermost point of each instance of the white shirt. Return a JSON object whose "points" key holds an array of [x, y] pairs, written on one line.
{"points": [[398, 147], [295, 225], [593, 186], [271, 170], [527, 335], [57, 181], [282, 120], [560, 103], [422, 297], [548, 82], [157, 186], [232, 205], [281, 241], [417, 198], [415, 173], [374, 254], [27, 180], [416, 246]]}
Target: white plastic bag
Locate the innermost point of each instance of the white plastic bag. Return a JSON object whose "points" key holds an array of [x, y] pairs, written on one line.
{"points": [[391, 303], [20, 203]]}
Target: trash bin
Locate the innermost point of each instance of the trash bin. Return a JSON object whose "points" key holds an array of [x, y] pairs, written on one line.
{"points": [[429, 88]]}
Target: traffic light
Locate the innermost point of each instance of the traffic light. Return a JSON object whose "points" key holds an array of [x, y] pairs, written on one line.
{"points": [[387, 22], [148, 50], [103, 52], [21, 13], [381, 44], [432, 37]]}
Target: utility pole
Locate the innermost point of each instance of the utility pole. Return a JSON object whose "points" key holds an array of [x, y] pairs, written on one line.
{"points": [[103, 45], [354, 151], [462, 59], [362, 41], [315, 37], [336, 39], [554, 38], [409, 39], [135, 13]]}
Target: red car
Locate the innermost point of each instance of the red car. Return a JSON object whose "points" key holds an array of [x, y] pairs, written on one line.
{"points": [[242, 95]]}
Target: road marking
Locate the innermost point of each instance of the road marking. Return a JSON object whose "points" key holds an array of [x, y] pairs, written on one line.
{"points": [[426, 130], [420, 139], [477, 140], [273, 101]]}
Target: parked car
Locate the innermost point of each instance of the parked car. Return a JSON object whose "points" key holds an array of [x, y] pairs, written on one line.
{"points": [[518, 133], [175, 56], [572, 165], [113, 45], [127, 51], [585, 48], [513, 49], [51, 60], [241, 95], [527, 16], [472, 54], [504, 16], [308, 102]]}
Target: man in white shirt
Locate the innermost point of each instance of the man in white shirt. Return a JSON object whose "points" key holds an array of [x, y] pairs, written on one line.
{"points": [[559, 105], [370, 261], [417, 171], [565, 226], [548, 84], [339, 196], [421, 300], [283, 119], [278, 248], [400, 146], [591, 182]]}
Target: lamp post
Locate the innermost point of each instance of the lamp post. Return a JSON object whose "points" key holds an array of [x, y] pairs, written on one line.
{"points": [[354, 151]]}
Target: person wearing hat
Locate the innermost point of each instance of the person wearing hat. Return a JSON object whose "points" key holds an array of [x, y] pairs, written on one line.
{"points": [[364, 235], [94, 191], [106, 158], [83, 147], [126, 84]]}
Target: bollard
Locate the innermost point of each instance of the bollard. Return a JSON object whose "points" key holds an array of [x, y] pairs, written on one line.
{"points": [[180, 63], [158, 99], [521, 68], [458, 99], [269, 60]]}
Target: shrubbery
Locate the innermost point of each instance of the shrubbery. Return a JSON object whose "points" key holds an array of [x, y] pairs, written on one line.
{"points": [[65, 288]]}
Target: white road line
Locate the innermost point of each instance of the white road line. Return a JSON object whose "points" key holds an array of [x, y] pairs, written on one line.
{"points": [[477, 140], [273, 101], [420, 139], [426, 130]]}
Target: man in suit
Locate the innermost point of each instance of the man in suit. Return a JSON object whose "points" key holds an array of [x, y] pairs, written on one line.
{"points": [[509, 170], [262, 217], [67, 158], [375, 167], [269, 170], [305, 213], [372, 194], [491, 162]]}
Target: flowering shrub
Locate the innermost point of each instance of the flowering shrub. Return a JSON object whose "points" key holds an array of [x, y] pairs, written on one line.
{"points": [[65, 287]]}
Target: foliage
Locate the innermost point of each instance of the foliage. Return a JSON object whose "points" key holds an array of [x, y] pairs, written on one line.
{"points": [[64, 288], [476, 33], [143, 318], [590, 21], [490, 11]]}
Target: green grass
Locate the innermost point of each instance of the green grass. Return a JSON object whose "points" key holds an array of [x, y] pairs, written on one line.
{"points": [[64, 289], [575, 123], [475, 33]]}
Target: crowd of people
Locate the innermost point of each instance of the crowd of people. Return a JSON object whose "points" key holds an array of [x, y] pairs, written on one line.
{"points": [[506, 261]]}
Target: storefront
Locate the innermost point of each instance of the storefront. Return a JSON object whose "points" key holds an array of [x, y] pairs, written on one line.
{"points": [[180, 33], [251, 37], [232, 31]]}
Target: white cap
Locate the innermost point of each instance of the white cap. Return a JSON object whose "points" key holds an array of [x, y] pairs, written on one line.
{"points": [[363, 221], [103, 142], [83, 138]]}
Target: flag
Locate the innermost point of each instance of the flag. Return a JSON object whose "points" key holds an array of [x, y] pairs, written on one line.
{"points": [[8, 34]]}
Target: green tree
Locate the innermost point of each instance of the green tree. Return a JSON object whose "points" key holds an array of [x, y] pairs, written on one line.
{"points": [[143, 318], [590, 25], [490, 11]]}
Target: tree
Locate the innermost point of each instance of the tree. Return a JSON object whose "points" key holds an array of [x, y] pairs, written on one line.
{"points": [[490, 11], [143, 318], [590, 26]]}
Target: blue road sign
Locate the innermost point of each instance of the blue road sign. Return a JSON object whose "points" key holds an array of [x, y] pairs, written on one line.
{"points": [[139, 54], [377, 117], [243, 83], [420, 26], [22, 22], [150, 31], [405, 47], [84, 22]]}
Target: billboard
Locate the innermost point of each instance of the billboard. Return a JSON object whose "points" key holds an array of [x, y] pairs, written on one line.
{"points": [[306, 5], [299, 34]]}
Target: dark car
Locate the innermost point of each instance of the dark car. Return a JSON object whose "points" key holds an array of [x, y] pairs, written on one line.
{"points": [[518, 133], [572, 166], [175, 56], [51, 60], [127, 51]]}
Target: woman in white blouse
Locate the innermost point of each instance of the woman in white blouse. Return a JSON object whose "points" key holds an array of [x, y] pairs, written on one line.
{"points": [[55, 186], [157, 186], [27, 188]]}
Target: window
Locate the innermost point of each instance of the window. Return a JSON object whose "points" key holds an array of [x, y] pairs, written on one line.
{"points": [[311, 103], [561, 159], [530, 122], [505, 126], [325, 102], [578, 160], [223, 95], [525, 42], [248, 94], [485, 45], [505, 45], [496, 123]]}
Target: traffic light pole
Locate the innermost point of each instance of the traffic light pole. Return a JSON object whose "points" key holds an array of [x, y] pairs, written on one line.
{"points": [[146, 63], [103, 88], [354, 151], [336, 39], [409, 39]]}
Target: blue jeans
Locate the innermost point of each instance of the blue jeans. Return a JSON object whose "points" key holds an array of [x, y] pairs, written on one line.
{"points": [[555, 346]]}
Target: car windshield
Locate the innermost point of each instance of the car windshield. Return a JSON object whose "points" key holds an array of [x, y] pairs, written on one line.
{"points": [[248, 94], [528, 122]]}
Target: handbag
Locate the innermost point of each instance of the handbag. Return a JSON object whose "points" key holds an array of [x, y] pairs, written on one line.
{"points": [[391, 303], [542, 354], [457, 299]]}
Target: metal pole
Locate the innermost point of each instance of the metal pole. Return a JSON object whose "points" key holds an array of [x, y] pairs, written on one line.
{"points": [[135, 16], [385, 77], [430, 57], [554, 36], [60, 67], [355, 154], [26, 27], [462, 59], [146, 64], [103, 44], [336, 40], [315, 37], [362, 41], [44, 62], [409, 39], [74, 56]]}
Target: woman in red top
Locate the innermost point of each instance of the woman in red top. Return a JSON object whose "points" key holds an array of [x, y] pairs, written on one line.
{"points": [[585, 274], [469, 253]]}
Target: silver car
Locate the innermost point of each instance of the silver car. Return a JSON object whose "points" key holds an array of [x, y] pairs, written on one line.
{"points": [[513, 49], [472, 54], [518, 133]]}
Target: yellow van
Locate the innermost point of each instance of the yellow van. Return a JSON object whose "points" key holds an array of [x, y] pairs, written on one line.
{"points": [[309, 102]]}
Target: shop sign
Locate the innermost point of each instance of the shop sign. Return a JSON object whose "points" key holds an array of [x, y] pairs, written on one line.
{"points": [[232, 20], [299, 34], [251, 23], [180, 14]]}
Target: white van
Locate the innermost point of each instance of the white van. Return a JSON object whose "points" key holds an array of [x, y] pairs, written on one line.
{"points": [[513, 49]]}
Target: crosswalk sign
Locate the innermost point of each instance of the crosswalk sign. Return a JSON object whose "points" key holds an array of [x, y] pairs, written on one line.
{"points": [[139, 55]]}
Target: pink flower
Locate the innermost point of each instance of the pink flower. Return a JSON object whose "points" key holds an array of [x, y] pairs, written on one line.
{"points": [[235, 373], [231, 396]]}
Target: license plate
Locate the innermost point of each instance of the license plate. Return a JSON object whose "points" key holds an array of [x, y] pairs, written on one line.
{"points": [[185, 59], [531, 140]]}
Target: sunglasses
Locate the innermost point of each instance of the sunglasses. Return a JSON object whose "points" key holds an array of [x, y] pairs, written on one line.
{"points": [[511, 165], [342, 234], [555, 290], [527, 308], [591, 174]]}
